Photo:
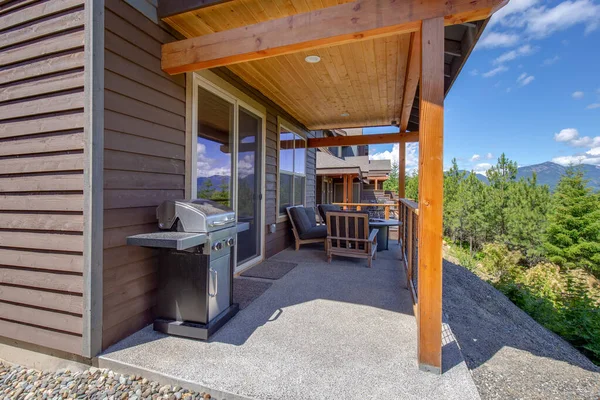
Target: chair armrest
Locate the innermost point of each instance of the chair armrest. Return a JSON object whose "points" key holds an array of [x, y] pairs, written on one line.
{"points": [[373, 235], [348, 239]]}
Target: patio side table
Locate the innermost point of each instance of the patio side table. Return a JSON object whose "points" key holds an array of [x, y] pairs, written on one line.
{"points": [[384, 229]]}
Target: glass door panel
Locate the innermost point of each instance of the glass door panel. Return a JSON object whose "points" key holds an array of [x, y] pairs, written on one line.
{"points": [[249, 176], [215, 148]]}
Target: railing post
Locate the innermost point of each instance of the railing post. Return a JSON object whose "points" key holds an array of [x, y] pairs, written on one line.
{"points": [[386, 212], [358, 208], [409, 245]]}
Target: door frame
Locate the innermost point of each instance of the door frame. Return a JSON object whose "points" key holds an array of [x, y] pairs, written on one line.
{"points": [[216, 85]]}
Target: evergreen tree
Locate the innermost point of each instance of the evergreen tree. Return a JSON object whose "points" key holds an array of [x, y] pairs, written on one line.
{"points": [[412, 186], [573, 234], [207, 189], [470, 215], [452, 180], [392, 182], [528, 204], [501, 177]]}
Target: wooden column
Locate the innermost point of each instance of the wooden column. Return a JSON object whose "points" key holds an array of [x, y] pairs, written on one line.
{"points": [[402, 170], [345, 190], [350, 188], [431, 187]]}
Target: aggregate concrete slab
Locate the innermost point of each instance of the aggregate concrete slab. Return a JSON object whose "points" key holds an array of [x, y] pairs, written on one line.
{"points": [[327, 331]]}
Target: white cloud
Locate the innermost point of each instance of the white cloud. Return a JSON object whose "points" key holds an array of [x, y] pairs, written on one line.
{"points": [[498, 39], [543, 21], [593, 106], [206, 166], [595, 151], [475, 157], [489, 156], [482, 168], [566, 135], [495, 71], [571, 137], [568, 160], [474, 72], [513, 54], [508, 90], [550, 61], [412, 155], [512, 8], [525, 79], [577, 95]]}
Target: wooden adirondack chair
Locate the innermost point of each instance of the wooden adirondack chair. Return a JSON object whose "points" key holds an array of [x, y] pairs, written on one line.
{"points": [[348, 236]]}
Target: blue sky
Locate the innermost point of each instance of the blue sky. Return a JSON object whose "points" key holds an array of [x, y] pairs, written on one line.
{"points": [[530, 89]]}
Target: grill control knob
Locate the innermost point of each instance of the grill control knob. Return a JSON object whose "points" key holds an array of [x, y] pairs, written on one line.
{"points": [[217, 246], [230, 242]]}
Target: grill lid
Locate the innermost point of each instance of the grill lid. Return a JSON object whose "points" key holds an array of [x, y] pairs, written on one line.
{"points": [[194, 215]]}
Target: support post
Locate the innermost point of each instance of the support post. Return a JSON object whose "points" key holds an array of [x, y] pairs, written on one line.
{"points": [[431, 186], [402, 170], [345, 192]]}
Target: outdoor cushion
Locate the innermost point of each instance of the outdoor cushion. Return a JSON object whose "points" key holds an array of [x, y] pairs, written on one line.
{"points": [[310, 213], [324, 208], [301, 220], [316, 232]]}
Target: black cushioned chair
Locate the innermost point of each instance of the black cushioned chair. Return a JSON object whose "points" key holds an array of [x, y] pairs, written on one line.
{"points": [[325, 208], [304, 226]]}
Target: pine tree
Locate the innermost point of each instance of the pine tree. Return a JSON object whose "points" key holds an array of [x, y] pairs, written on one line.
{"points": [[573, 234], [412, 186], [528, 206], [452, 180], [392, 182], [472, 195], [501, 177]]}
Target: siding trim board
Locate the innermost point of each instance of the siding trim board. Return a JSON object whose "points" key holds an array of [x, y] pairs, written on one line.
{"points": [[93, 178]]}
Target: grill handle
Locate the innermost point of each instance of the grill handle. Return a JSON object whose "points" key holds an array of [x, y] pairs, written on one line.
{"points": [[224, 222], [216, 283]]}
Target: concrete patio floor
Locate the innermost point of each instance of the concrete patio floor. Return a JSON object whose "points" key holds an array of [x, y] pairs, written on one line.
{"points": [[326, 331]]}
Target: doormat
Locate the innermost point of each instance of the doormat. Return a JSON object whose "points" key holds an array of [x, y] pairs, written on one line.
{"points": [[270, 269], [245, 291]]}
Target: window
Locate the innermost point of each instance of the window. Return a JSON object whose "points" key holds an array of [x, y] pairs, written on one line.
{"points": [[292, 169]]}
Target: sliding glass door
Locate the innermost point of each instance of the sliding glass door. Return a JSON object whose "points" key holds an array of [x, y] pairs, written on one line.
{"points": [[229, 155]]}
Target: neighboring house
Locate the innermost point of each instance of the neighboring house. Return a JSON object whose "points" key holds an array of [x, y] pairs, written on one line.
{"points": [[346, 174], [102, 118]]}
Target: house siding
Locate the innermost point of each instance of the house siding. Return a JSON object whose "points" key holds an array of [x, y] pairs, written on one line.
{"points": [[144, 161], [41, 173]]}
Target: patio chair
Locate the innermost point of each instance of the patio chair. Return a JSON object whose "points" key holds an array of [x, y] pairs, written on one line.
{"points": [[324, 208], [305, 227], [348, 236]]}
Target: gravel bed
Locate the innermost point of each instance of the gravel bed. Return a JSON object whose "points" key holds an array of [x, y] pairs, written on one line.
{"points": [[17, 382], [509, 354]]}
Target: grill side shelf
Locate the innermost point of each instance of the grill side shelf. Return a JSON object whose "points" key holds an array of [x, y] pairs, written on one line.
{"points": [[168, 240]]}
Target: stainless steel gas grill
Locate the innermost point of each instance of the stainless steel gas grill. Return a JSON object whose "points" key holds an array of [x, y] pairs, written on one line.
{"points": [[197, 242]]}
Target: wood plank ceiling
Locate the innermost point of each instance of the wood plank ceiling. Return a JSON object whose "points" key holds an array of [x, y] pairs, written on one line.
{"points": [[354, 85]]}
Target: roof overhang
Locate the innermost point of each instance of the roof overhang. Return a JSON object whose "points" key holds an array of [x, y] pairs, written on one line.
{"points": [[370, 52]]}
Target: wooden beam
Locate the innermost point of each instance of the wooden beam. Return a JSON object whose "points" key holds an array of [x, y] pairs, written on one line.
{"points": [[453, 48], [411, 82], [363, 140], [168, 8], [431, 196], [402, 170], [345, 23]]}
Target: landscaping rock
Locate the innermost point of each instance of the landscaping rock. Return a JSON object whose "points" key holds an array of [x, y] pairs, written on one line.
{"points": [[19, 383]]}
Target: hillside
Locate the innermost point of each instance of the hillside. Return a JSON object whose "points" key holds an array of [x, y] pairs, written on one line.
{"points": [[549, 173]]}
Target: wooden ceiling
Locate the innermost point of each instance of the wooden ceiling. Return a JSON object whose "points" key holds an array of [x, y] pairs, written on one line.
{"points": [[363, 79]]}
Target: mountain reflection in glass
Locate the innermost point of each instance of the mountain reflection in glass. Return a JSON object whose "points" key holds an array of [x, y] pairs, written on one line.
{"points": [[214, 152]]}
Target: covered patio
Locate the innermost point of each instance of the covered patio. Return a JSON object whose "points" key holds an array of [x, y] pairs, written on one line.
{"points": [[327, 331], [345, 64]]}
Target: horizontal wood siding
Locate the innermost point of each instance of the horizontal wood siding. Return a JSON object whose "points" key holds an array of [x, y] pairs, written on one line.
{"points": [[41, 172], [144, 162]]}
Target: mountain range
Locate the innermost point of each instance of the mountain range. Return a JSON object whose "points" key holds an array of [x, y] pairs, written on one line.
{"points": [[549, 173]]}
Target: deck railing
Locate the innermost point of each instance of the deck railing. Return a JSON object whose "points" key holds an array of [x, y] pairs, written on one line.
{"points": [[409, 238], [375, 210]]}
